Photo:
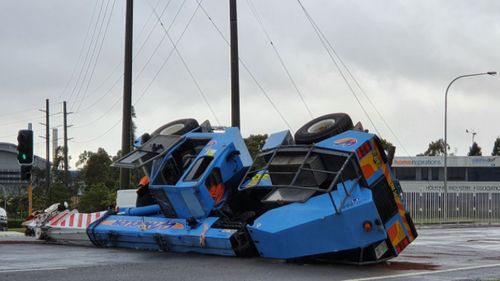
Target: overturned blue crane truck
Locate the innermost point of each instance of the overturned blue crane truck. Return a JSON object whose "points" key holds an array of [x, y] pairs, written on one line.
{"points": [[328, 193]]}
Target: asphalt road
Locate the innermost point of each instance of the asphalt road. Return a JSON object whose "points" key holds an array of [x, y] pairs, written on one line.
{"points": [[437, 254]]}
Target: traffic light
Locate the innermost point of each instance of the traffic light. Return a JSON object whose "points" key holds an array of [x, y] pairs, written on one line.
{"points": [[25, 173], [25, 147]]}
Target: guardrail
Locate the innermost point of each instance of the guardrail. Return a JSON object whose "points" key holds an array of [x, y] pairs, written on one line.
{"points": [[462, 207]]}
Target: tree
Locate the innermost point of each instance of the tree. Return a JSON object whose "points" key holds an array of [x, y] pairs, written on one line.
{"points": [[59, 194], [58, 161], [97, 168], [475, 150], [97, 173], [17, 206], [97, 198], [436, 148], [101, 180], [254, 143], [58, 165], [496, 147]]}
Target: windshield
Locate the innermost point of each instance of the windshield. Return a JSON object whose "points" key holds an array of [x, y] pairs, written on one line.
{"points": [[295, 173], [152, 149]]}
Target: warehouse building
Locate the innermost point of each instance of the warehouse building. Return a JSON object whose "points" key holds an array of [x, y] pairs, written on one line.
{"points": [[465, 173], [10, 171]]}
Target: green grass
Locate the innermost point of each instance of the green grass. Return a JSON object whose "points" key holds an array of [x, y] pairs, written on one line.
{"points": [[17, 229]]}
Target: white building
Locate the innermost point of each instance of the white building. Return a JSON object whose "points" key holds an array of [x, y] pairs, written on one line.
{"points": [[10, 171], [465, 173]]}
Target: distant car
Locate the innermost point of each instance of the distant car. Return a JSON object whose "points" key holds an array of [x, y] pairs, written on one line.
{"points": [[3, 220]]}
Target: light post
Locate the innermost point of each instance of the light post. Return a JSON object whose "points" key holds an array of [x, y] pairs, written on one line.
{"points": [[473, 133], [446, 135]]}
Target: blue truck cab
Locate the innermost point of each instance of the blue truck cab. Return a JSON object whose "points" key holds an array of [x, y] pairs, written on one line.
{"points": [[336, 199], [198, 173]]}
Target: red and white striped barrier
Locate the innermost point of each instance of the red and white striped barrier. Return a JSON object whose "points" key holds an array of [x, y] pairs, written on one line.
{"points": [[73, 219], [69, 227]]}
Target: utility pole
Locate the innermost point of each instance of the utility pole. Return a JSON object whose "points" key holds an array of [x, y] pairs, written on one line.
{"points": [[235, 73], [65, 148], [30, 185], [47, 147], [127, 92], [55, 141]]}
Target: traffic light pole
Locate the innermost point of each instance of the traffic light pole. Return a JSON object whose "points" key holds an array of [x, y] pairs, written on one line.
{"points": [[30, 185], [30, 197]]}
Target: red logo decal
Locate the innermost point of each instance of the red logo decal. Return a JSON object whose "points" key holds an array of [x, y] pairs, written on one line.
{"points": [[346, 142]]}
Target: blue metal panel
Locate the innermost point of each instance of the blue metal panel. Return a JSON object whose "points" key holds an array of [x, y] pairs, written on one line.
{"points": [[195, 200], [142, 211], [155, 233], [190, 197], [230, 135], [348, 141], [313, 227], [193, 203], [234, 136], [277, 139]]}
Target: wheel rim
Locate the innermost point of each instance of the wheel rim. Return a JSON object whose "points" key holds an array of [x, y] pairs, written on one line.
{"points": [[321, 126], [172, 129], [38, 233]]}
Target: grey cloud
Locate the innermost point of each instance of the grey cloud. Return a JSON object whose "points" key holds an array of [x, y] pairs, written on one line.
{"points": [[403, 53]]}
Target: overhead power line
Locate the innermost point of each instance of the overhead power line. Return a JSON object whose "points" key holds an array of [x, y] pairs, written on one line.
{"points": [[101, 97], [75, 67], [101, 135], [323, 40], [154, 15], [143, 92], [255, 13], [89, 80], [146, 22], [243, 64], [174, 46], [158, 45], [74, 92], [116, 69], [329, 46]]}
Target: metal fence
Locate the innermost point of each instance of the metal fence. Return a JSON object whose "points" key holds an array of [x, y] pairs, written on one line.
{"points": [[462, 207]]}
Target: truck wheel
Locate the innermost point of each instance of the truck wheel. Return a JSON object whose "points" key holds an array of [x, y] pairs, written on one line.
{"points": [[177, 127], [38, 233], [323, 127]]}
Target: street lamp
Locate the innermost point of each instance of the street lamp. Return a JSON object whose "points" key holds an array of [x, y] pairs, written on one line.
{"points": [[446, 134], [473, 133]]}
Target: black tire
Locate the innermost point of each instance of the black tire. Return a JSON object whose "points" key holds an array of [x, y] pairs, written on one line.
{"points": [[323, 127], [177, 127]]}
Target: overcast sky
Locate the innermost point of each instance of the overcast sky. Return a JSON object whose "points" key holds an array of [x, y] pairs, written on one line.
{"points": [[402, 53]]}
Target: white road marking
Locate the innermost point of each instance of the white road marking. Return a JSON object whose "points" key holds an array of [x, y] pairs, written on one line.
{"points": [[32, 269], [427, 272]]}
